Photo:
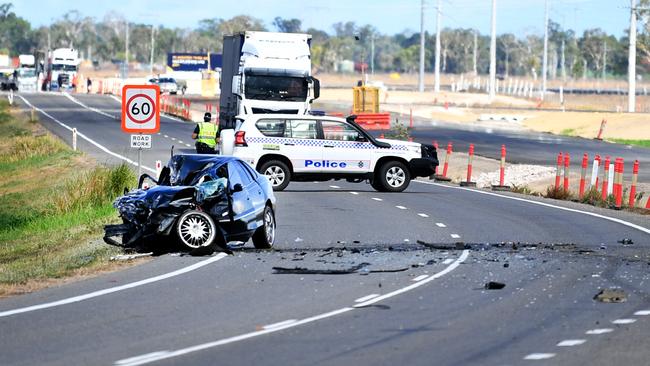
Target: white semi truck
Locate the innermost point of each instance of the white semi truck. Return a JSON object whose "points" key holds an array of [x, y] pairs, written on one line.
{"points": [[26, 72], [265, 72], [62, 68]]}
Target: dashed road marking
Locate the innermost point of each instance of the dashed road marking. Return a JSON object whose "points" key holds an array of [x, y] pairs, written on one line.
{"points": [[642, 312], [180, 142], [366, 298], [401, 207], [623, 321], [279, 324], [173, 138], [440, 224], [455, 236], [571, 342], [377, 199], [420, 278], [539, 356], [166, 136], [599, 331], [188, 145], [335, 187], [423, 215], [447, 261], [354, 193]]}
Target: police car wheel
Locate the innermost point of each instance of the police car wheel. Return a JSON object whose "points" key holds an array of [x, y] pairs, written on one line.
{"points": [[394, 176], [264, 236], [195, 229], [277, 173]]}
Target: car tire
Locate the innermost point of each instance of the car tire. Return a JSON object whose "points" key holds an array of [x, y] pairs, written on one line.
{"points": [[264, 236], [195, 229], [394, 176], [377, 185], [278, 174]]}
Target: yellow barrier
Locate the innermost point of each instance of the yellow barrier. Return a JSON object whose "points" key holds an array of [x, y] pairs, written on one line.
{"points": [[365, 99]]}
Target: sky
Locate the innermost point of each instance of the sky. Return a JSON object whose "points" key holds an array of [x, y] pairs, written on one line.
{"points": [[520, 17]]}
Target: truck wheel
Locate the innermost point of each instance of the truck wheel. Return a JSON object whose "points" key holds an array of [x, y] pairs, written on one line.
{"points": [[278, 174], [394, 176], [265, 235]]}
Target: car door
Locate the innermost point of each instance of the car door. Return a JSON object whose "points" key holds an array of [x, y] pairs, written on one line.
{"points": [[243, 209], [344, 148], [303, 146]]}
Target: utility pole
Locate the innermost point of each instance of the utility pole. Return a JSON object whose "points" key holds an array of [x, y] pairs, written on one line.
{"points": [[545, 58], [604, 60], [436, 87], [631, 61], [493, 52], [372, 54], [421, 79], [563, 61], [126, 52], [475, 52], [152, 49]]}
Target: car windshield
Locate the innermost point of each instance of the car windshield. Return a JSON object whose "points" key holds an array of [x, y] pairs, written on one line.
{"points": [[27, 73], [167, 80], [276, 88], [60, 67]]}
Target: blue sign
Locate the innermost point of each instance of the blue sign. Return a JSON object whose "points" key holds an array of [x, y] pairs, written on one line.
{"points": [[193, 61]]}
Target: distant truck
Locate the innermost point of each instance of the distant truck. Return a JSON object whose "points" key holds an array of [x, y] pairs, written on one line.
{"points": [[265, 72], [26, 72], [62, 68]]}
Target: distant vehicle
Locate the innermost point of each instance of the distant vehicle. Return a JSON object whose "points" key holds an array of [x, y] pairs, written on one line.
{"points": [[287, 147], [27, 78], [62, 68], [202, 200], [167, 85], [265, 72]]}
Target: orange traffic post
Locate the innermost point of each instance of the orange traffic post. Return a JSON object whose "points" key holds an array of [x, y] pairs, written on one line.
{"points": [[583, 175], [566, 172], [635, 177], [502, 172], [594, 177], [603, 123], [605, 178], [618, 182], [558, 171], [443, 177], [470, 157]]}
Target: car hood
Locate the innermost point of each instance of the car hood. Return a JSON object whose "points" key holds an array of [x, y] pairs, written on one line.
{"points": [[400, 143]]}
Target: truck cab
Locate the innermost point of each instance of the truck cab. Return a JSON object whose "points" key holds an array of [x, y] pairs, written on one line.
{"points": [[62, 68]]}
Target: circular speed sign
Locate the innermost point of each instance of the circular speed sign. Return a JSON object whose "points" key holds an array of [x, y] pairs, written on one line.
{"points": [[140, 111]]}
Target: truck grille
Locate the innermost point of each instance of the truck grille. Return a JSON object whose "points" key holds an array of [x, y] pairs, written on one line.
{"points": [[271, 111]]}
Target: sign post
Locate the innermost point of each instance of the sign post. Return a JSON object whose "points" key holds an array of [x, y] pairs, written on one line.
{"points": [[140, 116]]}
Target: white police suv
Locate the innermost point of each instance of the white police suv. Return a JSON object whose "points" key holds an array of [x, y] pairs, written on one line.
{"points": [[289, 147]]}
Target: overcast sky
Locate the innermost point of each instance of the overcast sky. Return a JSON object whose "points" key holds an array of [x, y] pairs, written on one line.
{"points": [[388, 16]]}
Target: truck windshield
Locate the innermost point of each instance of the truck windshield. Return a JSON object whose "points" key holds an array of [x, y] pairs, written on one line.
{"points": [[284, 88], [60, 67], [27, 73]]}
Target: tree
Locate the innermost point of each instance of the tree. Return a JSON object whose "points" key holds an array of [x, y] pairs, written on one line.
{"points": [[15, 32], [287, 25]]}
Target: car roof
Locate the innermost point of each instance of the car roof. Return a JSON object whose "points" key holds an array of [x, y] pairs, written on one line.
{"points": [[288, 116]]}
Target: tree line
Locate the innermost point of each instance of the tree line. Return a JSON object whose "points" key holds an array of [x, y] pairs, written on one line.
{"points": [[594, 53]]}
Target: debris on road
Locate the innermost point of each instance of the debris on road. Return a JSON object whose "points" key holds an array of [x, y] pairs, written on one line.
{"points": [[301, 270], [492, 285], [626, 241], [611, 295], [128, 257], [455, 246]]}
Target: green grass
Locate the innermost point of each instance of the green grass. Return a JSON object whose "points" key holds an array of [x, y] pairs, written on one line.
{"points": [[642, 143], [568, 132], [54, 205]]}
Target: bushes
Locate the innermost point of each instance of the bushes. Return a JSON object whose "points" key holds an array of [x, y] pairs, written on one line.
{"points": [[26, 147]]}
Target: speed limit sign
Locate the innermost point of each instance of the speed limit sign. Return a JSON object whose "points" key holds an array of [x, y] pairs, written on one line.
{"points": [[140, 112]]}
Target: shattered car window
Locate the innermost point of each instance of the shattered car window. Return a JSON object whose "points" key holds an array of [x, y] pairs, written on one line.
{"points": [[211, 188]]}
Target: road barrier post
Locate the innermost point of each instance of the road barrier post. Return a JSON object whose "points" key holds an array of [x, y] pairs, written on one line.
{"points": [[468, 182], [603, 123], [647, 204], [610, 180], [566, 172], [583, 175], [10, 96], [32, 116], [558, 171], [502, 172], [443, 177], [618, 187], [381, 135], [411, 118], [74, 139], [635, 177], [594, 173], [158, 168], [606, 167]]}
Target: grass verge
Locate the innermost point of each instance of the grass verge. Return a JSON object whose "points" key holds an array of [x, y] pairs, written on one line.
{"points": [[641, 143], [54, 203]]}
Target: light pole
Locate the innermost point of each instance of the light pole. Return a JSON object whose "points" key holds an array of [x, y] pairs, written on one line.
{"points": [[493, 52], [153, 30]]}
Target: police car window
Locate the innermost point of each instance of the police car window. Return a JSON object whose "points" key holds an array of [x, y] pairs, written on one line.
{"points": [[334, 130], [303, 129], [271, 127]]}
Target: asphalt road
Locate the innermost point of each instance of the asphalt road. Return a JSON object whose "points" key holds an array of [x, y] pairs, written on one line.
{"points": [[419, 299]]}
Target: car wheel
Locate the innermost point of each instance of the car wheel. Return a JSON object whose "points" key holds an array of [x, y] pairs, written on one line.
{"points": [[394, 176], [277, 173], [264, 236], [195, 229]]}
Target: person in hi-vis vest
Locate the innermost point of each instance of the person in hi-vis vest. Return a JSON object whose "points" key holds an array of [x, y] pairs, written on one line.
{"points": [[206, 135]]}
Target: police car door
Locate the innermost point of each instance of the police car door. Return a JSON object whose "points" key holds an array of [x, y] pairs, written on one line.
{"points": [[344, 149], [303, 147]]}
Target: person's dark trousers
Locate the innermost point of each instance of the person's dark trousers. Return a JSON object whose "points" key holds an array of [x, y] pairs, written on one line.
{"points": [[202, 148]]}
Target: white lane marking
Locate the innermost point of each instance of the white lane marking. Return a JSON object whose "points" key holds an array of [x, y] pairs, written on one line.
{"points": [[111, 290], [447, 261], [571, 342], [642, 312], [377, 199], [166, 136], [279, 324], [455, 236], [401, 207], [420, 278], [365, 298], [335, 187], [101, 147], [173, 138], [440, 224], [354, 193], [200, 347], [539, 356], [144, 357], [623, 321], [599, 331], [180, 142], [87, 107], [619, 221], [116, 99], [423, 215]]}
